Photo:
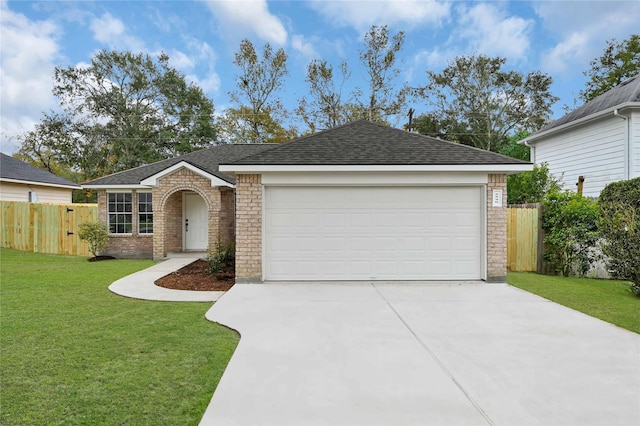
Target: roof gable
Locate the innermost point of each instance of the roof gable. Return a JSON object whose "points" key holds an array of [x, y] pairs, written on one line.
{"points": [[153, 180], [364, 143], [12, 169]]}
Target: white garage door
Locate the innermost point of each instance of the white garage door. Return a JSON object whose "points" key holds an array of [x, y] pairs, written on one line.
{"points": [[373, 233]]}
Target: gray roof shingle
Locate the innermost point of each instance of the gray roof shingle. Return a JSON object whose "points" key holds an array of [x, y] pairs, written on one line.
{"points": [[625, 92], [11, 168], [366, 143], [206, 159]]}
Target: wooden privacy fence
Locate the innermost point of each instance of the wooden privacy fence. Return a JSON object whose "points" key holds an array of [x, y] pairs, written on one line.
{"points": [[45, 228], [524, 237]]}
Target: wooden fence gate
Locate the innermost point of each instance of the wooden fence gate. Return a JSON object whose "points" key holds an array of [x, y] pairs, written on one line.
{"points": [[45, 228], [524, 237]]}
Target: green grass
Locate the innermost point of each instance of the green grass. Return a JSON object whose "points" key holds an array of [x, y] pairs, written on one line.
{"points": [[609, 300], [71, 352]]}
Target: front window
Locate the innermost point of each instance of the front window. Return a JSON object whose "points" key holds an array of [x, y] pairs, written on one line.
{"points": [[120, 210], [145, 213]]}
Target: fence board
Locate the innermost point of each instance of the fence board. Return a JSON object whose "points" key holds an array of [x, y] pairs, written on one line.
{"points": [[45, 228], [523, 233]]}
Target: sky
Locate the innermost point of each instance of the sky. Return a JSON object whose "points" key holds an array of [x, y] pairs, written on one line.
{"points": [[558, 38]]}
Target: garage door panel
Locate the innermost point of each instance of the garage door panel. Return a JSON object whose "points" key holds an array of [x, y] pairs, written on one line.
{"points": [[362, 233]]}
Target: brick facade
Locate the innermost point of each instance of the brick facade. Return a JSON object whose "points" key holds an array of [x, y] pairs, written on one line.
{"points": [[249, 228], [168, 216], [134, 246], [497, 231]]}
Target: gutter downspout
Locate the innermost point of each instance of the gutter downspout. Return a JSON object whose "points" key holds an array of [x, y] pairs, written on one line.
{"points": [[627, 144], [532, 152]]}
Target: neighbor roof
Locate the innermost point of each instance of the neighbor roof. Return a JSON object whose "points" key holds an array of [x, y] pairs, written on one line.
{"points": [[206, 160], [364, 143], [12, 169], [626, 92]]}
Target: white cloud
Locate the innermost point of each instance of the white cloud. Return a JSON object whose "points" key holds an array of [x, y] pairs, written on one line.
{"points": [[29, 49], [238, 17], [111, 32], [204, 56], [362, 14], [581, 30], [491, 31], [303, 46]]}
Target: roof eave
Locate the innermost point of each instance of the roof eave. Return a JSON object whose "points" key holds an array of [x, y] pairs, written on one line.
{"points": [[595, 116], [113, 186], [488, 168], [33, 182]]}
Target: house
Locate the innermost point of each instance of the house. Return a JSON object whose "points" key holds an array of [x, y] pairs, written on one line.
{"points": [[20, 181], [599, 141], [357, 202], [180, 204]]}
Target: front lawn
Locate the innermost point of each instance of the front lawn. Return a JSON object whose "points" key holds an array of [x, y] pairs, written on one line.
{"points": [[71, 352], [609, 300]]}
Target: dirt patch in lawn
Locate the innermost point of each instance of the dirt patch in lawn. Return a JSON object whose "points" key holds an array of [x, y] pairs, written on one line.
{"points": [[196, 276]]}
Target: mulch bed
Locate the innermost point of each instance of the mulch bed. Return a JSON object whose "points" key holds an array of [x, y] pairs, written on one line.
{"points": [[196, 276]]}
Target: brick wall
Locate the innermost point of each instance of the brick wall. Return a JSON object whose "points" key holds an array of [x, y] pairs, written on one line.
{"points": [[167, 201], [168, 217], [248, 228], [497, 231], [227, 216], [172, 219], [134, 246]]}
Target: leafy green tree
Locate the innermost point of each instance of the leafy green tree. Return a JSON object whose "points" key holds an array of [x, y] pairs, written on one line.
{"points": [[237, 128], [379, 58], [429, 125], [324, 107], [121, 111], [477, 103], [620, 61], [514, 149], [531, 187], [258, 82], [620, 228]]}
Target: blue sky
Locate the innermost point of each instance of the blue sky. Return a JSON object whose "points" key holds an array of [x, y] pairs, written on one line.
{"points": [[559, 38]]}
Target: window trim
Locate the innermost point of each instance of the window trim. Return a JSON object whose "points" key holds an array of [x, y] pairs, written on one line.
{"points": [[131, 213], [138, 213]]}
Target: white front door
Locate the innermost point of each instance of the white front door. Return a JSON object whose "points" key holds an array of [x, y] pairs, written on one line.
{"points": [[195, 226]]}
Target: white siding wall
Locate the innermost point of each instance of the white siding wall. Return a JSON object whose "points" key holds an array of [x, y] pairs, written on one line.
{"points": [[595, 151], [10, 191], [634, 171]]}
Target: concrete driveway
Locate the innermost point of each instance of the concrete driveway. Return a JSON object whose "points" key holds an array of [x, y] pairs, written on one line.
{"points": [[404, 354]]}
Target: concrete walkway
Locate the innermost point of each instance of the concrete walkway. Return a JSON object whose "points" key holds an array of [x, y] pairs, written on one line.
{"points": [[420, 354], [140, 285]]}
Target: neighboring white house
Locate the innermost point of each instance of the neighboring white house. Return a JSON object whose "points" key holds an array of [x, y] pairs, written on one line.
{"points": [[599, 141], [20, 181]]}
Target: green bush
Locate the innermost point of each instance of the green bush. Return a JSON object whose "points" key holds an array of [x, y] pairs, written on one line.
{"points": [[570, 222], [620, 228], [531, 187], [221, 256], [96, 234]]}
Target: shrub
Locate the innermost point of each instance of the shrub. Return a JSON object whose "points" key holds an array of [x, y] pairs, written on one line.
{"points": [[96, 234], [570, 222], [221, 256], [531, 187], [620, 227]]}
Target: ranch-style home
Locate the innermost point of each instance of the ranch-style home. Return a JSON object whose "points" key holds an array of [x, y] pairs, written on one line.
{"points": [[357, 202]]}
